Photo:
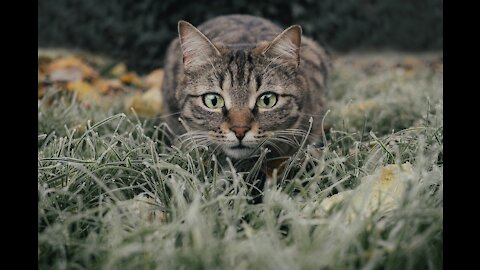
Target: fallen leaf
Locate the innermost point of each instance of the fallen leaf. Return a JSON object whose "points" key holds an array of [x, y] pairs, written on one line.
{"points": [[41, 77], [108, 86], [131, 78], [118, 70], [148, 104], [70, 68], [154, 79], [84, 90], [66, 75], [43, 63], [41, 91], [380, 192]]}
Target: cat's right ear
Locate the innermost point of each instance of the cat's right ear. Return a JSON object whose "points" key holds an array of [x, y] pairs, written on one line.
{"points": [[197, 49]]}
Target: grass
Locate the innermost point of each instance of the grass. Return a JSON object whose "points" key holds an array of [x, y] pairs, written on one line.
{"points": [[113, 193]]}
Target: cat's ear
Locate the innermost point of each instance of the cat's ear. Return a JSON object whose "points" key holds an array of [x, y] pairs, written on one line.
{"points": [[285, 47], [197, 49]]}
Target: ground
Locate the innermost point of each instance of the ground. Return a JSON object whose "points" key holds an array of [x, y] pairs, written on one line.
{"points": [[112, 194]]}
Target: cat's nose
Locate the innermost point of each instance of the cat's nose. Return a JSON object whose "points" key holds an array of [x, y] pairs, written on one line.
{"points": [[240, 131]]}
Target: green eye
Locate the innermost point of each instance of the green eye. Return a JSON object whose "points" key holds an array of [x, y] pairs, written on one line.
{"points": [[267, 100], [213, 101]]}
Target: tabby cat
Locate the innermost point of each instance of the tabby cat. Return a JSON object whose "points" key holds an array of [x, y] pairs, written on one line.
{"points": [[239, 83]]}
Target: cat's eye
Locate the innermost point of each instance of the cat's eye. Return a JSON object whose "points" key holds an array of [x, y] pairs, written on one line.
{"points": [[213, 101], [267, 100]]}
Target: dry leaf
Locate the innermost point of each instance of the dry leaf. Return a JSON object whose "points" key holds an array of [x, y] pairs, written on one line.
{"points": [[84, 90], [70, 68], [131, 78], [41, 91], [379, 192], [66, 75], [44, 61], [118, 70], [108, 86], [148, 104], [41, 77], [154, 79]]}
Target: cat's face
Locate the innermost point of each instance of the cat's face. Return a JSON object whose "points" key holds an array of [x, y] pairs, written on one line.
{"points": [[238, 98]]}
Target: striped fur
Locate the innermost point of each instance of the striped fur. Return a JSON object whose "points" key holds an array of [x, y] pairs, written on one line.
{"points": [[241, 57]]}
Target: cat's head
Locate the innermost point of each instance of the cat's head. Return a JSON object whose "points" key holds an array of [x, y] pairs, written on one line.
{"points": [[238, 97]]}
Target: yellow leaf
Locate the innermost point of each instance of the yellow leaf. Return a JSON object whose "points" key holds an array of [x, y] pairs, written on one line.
{"points": [[148, 104], [380, 192], [41, 91], [118, 70], [131, 78], [154, 79], [108, 86], [41, 77], [84, 90]]}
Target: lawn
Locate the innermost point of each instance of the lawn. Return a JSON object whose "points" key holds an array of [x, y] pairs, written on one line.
{"points": [[113, 193]]}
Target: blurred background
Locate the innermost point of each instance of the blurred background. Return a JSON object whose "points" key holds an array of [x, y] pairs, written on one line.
{"points": [[139, 31]]}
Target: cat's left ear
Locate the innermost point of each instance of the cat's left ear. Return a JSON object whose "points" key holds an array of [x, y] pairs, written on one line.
{"points": [[197, 49], [285, 48]]}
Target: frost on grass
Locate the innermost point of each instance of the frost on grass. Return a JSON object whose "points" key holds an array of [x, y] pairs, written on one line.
{"points": [[380, 192], [114, 194]]}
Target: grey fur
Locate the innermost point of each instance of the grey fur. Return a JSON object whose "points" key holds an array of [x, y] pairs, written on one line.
{"points": [[241, 74]]}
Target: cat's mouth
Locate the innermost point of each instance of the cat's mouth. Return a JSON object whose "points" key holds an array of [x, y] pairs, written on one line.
{"points": [[239, 151], [239, 146]]}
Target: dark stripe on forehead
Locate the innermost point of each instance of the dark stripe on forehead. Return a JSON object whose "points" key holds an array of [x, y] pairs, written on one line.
{"points": [[240, 60]]}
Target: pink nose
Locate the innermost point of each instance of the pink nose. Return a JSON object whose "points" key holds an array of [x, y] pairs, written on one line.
{"points": [[240, 131]]}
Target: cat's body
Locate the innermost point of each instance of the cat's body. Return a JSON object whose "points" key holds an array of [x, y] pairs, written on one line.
{"points": [[239, 82]]}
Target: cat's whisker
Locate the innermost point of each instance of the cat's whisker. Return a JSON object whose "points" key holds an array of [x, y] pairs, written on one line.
{"points": [[273, 145], [294, 137], [193, 138], [193, 134], [166, 115], [300, 133]]}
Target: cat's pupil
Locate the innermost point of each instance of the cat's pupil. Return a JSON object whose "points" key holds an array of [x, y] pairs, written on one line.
{"points": [[214, 101], [266, 100]]}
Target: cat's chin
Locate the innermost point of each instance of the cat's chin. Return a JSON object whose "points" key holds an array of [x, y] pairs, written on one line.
{"points": [[238, 153]]}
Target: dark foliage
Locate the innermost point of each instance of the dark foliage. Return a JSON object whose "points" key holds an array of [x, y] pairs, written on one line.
{"points": [[138, 31]]}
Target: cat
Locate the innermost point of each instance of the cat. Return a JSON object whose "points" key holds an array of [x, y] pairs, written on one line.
{"points": [[239, 82]]}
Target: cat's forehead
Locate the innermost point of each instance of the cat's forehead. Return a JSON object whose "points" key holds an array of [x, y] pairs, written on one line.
{"points": [[238, 66], [239, 56]]}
